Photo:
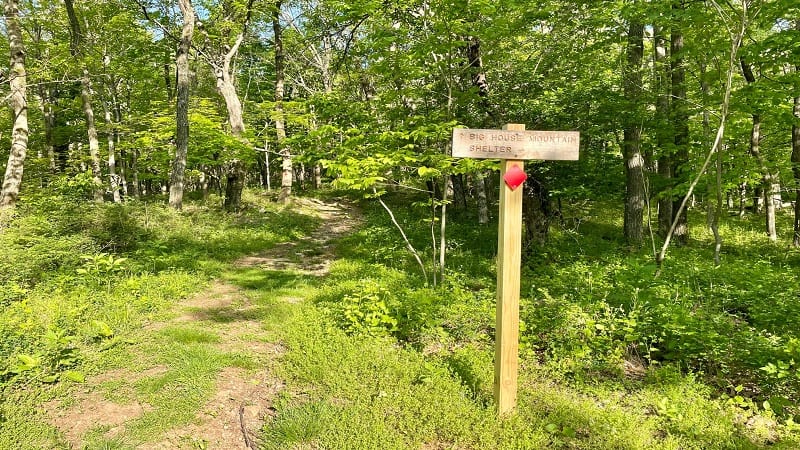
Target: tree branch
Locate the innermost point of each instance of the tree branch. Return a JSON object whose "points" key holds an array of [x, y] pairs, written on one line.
{"points": [[149, 18], [402, 233]]}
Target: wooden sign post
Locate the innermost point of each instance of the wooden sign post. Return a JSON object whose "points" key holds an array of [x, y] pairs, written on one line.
{"points": [[512, 145]]}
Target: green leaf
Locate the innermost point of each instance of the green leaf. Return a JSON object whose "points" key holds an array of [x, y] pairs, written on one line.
{"points": [[102, 329], [50, 379], [26, 362], [428, 172], [75, 376]]}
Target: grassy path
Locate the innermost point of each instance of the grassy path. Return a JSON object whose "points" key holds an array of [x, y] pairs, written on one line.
{"points": [[204, 378]]}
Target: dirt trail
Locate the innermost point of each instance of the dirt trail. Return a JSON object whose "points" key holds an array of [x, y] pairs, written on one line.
{"points": [[241, 400], [314, 254]]}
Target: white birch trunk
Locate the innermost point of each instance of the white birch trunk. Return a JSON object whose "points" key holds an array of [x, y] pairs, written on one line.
{"points": [[483, 204], [91, 131], [19, 105], [113, 178], [280, 130]]}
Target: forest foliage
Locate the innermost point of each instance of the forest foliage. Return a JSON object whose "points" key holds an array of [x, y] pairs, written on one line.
{"points": [[299, 94]]}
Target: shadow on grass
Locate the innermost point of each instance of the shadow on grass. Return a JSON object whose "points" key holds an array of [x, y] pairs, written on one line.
{"points": [[263, 280], [231, 237], [227, 314], [464, 369]]}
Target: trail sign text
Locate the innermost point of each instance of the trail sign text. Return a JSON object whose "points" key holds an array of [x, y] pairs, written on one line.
{"points": [[518, 145]]}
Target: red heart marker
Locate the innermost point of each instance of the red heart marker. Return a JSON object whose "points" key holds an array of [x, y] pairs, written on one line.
{"points": [[514, 177]]}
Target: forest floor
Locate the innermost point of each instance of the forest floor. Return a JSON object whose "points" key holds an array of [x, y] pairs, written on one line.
{"points": [[311, 326], [242, 398]]}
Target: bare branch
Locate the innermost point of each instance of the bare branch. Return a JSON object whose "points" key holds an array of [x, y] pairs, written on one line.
{"points": [[149, 18]]}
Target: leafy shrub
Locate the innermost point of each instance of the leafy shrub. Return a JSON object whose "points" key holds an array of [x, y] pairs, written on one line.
{"points": [[55, 358], [789, 365], [101, 268], [11, 292], [467, 315], [28, 257], [116, 227], [594, 336], [368, 310], [416, 310], [76, 187]]}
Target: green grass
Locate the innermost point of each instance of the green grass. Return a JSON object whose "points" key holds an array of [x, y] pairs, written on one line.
{"points": [[72, 317], [589, 306], [375, 358], [368, 393]]}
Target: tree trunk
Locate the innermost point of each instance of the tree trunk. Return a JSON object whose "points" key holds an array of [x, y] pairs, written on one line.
{"points": [[770, 206], [111, 135], [479, 181], [91, 131], [227, 90], [475, 63], [300, 176], [736, 41], [266, 176], [663, 130], [634, 161], [136, 188], [113, 178], [459, 190], [796, 164], [714, 210], [204, 183], [234, 186], [46, 108], [76, 44], [536, 213], [758, 200], [796, 156], [680, 121], [742, 200], [768, 179], [280, 130], [19, 106], [75, 34], [317, 176], [123, 179], [448, 189], [777, 196], [181, 106]]}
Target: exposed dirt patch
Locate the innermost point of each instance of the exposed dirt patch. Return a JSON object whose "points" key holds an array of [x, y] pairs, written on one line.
{"points": [[218, 295], [231, 419], [92, 411], [242, 400]]}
